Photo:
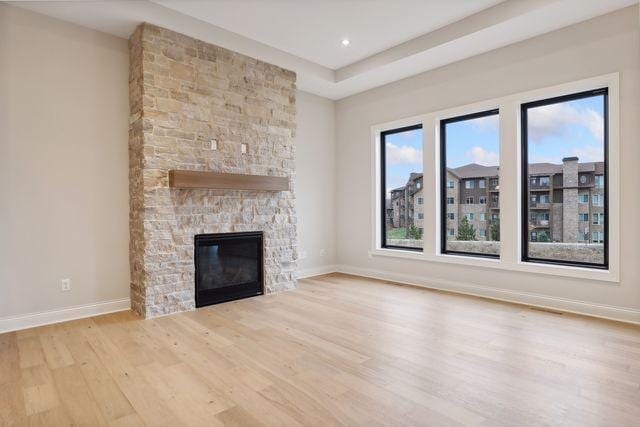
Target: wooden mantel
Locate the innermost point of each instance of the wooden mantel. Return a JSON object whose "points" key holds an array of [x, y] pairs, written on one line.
{"points": [[226, 181]]}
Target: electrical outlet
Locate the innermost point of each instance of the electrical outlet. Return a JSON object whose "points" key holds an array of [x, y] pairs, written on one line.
{"points": [[65, 285]]}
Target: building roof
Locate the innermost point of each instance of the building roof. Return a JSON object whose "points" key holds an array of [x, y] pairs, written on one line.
{"points": [[544, 168], [474, 170]]}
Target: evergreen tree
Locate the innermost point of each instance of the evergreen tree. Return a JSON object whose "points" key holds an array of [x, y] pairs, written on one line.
{"points": [[495, 230], [466, 231], [414, 233]]}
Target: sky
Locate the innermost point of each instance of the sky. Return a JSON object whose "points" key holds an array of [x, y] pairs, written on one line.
{"points": [[573, 128], [403, 156]]}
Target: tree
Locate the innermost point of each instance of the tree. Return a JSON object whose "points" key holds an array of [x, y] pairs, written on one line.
{"points": [[466, 231], [414, 232], [543, 237], [495, 230]]}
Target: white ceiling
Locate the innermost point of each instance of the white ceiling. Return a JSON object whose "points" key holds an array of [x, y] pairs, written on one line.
{"points": [[390, 39], [313, 29]]}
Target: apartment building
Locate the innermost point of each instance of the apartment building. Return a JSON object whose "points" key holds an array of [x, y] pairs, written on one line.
{"points": [[407, 204], [565, 201]]}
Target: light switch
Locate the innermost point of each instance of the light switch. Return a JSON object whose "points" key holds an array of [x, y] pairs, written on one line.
{"points": [[243, 148], [214, 144]]}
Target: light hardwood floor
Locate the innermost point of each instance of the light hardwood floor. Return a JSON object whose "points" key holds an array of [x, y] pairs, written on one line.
{"points": [[340, 350]]}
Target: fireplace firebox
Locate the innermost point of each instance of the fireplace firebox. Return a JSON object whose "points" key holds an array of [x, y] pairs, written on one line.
{"points": [[229, 266]]}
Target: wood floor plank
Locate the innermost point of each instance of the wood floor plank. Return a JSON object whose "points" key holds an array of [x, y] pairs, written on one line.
{"points": [[12, 405], [339, 351]]}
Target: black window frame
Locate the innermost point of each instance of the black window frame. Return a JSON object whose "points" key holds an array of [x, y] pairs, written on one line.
{"points": [[524, 166], [383, 187], [443, 182]]}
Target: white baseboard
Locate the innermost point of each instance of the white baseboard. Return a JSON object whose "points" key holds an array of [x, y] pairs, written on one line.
{"points": [[603, 311], [15, 323], [31, 320], [316, 271]]}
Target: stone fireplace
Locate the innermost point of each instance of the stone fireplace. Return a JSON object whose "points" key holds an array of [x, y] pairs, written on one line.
{"points": [[184, 93]]}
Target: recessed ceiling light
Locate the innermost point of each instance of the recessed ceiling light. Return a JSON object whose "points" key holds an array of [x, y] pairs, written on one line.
{"points": [[345, 42]]}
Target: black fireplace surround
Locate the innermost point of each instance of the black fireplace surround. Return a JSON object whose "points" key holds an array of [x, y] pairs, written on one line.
{"points": [[229, 266]]}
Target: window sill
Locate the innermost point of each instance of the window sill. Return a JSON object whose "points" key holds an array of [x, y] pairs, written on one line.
{"points": [[500, 264]]}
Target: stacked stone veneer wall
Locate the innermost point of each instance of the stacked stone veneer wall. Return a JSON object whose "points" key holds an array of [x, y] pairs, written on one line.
{"points": [[183, 93]]}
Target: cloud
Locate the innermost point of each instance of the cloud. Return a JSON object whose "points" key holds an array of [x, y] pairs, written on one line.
{"points": [[589, 153], [483, 157], [403, 155], [554, 120]]}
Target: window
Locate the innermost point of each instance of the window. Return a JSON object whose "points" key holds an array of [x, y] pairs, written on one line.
{"points": [[599, 181], [494, 217], [534, 216], [451, 216], [597, 199], [420, 200], [494, 182], [544, 181], [451, 232], [584, 217], [584, 236], [583, 198], [420, 216], [450, 200], [401, 175], [598, 218], [482, 217], [451, 184], [555, 133], [459, 136]]}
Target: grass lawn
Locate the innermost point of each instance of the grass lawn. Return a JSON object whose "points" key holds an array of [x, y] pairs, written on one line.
{"points": [[396, 233]]}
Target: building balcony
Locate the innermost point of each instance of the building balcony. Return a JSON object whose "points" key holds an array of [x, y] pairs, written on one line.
{"points": [[543, 223], [539, 186], [539, 205]]}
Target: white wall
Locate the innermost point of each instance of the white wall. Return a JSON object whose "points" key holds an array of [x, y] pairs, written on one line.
{"points": [[63, 164], [607, 44], [315, 183], [64, 195]]}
